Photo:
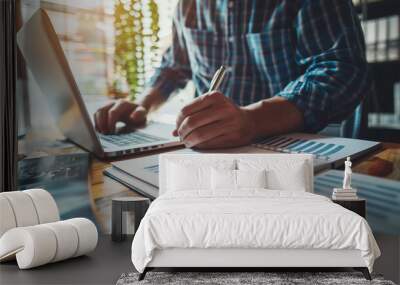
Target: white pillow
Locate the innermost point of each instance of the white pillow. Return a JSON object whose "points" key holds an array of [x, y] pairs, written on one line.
{"points": [[183, 177], [288, 174], [188, 175], [251, 179], [225, 179]]}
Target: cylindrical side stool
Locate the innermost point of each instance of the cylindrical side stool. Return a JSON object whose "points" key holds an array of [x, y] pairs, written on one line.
{"points": [[136, 205]]}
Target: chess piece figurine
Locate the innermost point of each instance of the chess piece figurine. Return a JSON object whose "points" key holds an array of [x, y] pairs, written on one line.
{"points": [[347, 174]]}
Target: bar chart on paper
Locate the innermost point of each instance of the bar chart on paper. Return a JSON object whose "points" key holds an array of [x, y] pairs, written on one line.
{"points": [[328, 152]]}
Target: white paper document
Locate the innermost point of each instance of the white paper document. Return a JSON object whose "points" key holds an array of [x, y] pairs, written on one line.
{"points": [[328, 153]]}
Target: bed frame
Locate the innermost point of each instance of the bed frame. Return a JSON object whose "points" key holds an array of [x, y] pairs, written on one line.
{"points": [[250, 258], [256, 258]]}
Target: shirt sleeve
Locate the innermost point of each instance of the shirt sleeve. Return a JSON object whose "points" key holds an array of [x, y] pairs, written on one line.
{"points": [[174, 71], [331, 49]]}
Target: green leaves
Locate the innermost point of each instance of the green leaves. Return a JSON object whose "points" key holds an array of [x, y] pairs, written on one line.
{"points": [[136, 24]]}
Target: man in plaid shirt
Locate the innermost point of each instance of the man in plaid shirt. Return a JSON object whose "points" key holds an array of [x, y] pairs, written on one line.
{"points": [[294, 65]]}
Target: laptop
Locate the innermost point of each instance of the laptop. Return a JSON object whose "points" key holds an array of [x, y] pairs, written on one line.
{"points": [[45, 58]]}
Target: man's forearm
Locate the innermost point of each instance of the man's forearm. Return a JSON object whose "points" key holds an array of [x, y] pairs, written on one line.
{"points": [[274, 116], [152, 100]]}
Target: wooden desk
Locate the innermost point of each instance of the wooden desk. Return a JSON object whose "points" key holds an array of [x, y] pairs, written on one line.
{"points": [[384, 162], [102, 188], [102, 185]]}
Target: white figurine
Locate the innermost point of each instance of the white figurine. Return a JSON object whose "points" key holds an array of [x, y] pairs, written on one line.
{"points": [[347, 174], [346, 192]]}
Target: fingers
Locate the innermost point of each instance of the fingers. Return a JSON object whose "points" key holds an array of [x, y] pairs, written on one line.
{"points": [[199, 119], [208, 132], [203, 102], [226, 125], [210, 117], [107, 117], [138, 117], [100, 118], [119, 112]]}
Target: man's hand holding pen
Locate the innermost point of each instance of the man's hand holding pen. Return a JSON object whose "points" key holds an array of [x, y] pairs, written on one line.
{"points": [[214, 121]]}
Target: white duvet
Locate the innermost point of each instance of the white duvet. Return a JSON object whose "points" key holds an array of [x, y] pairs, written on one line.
{"points": [[250, 219]]}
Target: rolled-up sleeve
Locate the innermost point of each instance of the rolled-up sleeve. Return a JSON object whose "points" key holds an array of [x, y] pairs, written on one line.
{"points": [[174, 71], [331, 50]]}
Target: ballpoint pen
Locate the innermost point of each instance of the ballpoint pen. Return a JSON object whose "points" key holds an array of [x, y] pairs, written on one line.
{"points": [[217, 79]]}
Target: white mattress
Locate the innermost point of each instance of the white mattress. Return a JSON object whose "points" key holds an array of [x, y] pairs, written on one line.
{"points": [[253, 219]]}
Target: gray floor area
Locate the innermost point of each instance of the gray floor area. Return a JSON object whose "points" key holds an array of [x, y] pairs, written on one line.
{"points": [[102, 266], [111, 259]]}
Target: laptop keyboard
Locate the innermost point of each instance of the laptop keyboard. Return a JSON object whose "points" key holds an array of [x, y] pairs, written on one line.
{"points": [[134, 138]]}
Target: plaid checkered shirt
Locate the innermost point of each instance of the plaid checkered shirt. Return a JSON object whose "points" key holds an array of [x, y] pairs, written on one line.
{"points": [[310, 52]]}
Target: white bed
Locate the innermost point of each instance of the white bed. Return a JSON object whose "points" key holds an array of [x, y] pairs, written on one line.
{"points": [[248, 227]]}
